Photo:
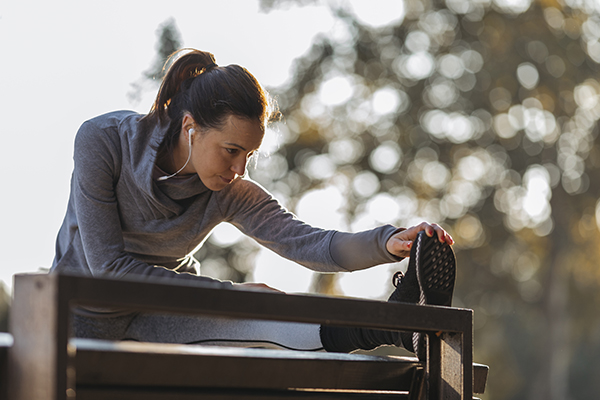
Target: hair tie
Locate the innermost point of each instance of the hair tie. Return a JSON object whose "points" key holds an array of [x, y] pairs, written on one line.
{"points": [[199, 71]]}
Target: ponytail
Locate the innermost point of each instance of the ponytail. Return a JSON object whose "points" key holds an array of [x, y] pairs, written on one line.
{"points": [[195, 84], [181, 68]]}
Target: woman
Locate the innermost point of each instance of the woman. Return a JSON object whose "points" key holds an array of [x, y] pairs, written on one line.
{"points": [[147, 190]]}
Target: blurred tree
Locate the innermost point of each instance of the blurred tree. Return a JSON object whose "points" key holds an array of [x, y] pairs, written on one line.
{"points": [[269, 5], [169, 41], [481, 115]]}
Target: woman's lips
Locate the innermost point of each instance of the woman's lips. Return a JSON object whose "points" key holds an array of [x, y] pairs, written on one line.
{"points": [[227, 181]]}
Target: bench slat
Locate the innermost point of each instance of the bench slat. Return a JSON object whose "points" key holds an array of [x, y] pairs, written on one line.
{"points": [[226, 394], [159, 364], [102, 363]]}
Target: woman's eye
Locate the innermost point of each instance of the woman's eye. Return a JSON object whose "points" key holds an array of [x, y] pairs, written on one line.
{"points": [[232, 151]]}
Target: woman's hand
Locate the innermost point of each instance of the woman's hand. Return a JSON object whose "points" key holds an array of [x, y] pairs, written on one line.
{"points": [[400, 243], [260, 287]]}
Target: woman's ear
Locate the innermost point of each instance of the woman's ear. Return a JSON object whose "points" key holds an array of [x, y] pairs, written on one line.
{"points": [[187, 123]]}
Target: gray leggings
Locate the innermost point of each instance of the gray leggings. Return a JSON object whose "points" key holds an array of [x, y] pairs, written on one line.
{"points": [[162, 328]]}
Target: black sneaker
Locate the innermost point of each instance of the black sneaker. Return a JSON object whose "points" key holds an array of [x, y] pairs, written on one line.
{"points": [[429, 279]]}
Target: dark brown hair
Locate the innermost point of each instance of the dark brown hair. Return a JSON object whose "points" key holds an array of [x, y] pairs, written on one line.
{"points": [[195, 84]]}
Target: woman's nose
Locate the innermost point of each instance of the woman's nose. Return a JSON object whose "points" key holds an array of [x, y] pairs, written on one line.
{"points": [[239, 167]]}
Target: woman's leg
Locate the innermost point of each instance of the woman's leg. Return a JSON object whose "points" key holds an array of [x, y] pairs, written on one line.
{"points": [[166, 328], [102, 326]]}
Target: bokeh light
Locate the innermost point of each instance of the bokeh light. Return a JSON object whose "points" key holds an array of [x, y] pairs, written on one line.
{"points": [[528, 75], [377, 13], [386, 157], [336, 90]]}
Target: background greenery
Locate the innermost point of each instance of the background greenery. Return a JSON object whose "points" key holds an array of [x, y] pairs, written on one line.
{"points": [[493, 132]]}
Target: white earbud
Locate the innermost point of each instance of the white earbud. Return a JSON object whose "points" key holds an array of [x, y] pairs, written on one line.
{"points": [[190, 133]]}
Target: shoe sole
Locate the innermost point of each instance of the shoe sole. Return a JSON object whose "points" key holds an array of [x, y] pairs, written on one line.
{"points": [[436, 273], [436, 270]]}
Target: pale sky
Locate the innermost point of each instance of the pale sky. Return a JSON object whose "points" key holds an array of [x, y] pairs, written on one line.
{"points": [[63, 62]]}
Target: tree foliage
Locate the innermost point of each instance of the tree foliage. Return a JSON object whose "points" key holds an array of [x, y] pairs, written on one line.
{"points": [[169, 41], [482, 116]]}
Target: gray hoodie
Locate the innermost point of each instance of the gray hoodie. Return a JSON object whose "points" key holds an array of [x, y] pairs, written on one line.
{"points": [[120, 220]]}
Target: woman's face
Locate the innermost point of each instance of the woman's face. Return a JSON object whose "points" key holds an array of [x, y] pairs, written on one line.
{"points": [[219, 156]]}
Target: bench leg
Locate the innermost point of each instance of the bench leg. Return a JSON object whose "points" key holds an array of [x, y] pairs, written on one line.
{"points": [[450, 366], [417, 386], [38, 357]]}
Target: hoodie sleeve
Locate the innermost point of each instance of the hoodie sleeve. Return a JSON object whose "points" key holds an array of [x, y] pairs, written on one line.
{"points": [[97, 165], [256, 213]]}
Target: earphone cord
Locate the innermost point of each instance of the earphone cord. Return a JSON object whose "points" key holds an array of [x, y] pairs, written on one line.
{"points": [[164, 178]]}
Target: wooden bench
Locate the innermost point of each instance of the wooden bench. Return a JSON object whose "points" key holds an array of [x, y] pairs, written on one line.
{"points": [[44, 362]]}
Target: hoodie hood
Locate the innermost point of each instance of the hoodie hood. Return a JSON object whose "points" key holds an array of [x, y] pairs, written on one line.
{"points": [[140, 141]]}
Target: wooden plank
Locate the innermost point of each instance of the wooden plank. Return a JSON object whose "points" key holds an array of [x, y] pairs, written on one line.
{"points": [[161, 365], [98, 363], [239, 303], [226, 394]]}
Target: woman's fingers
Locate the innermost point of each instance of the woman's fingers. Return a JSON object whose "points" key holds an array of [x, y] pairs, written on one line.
{"points": [[442, 235], [400, 243]]}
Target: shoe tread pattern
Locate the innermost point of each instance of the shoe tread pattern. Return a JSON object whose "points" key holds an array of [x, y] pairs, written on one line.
{"points": [[436, 271]]}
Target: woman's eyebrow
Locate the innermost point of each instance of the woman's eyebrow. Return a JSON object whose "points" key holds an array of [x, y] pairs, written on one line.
{"points": [[235, 145]]}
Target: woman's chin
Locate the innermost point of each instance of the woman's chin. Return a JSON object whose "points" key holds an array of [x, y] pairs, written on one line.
{"points": [[218, 184]]}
